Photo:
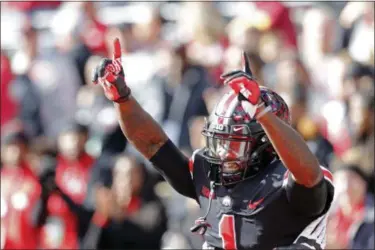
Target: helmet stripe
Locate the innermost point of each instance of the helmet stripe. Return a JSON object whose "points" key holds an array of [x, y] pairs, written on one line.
{"points": [[224, 104], [231, 107]]}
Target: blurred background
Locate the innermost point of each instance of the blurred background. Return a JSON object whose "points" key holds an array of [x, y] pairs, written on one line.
{"points": [[69, 179]]}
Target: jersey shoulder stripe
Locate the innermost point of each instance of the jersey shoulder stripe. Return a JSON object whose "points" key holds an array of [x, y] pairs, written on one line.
{"points": [[191, 160], [327, 174]]}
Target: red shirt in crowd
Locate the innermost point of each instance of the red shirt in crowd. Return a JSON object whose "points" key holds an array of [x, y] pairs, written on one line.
{"points": [[93, 36], [60, 230], [343, 224], [280, 21], [72, 176], [20, 194], [8, 105], [32, 5]]}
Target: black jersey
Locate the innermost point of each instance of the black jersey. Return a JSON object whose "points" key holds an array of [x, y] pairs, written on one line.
{"points": [[257, 213], [266, 211]]}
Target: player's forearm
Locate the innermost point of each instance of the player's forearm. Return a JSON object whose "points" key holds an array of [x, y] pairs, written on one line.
{"points": [[150, 140], [140, 128], [292, 150]]}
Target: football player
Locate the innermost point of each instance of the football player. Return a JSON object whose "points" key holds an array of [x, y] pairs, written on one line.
{"points": [[256, 182]]}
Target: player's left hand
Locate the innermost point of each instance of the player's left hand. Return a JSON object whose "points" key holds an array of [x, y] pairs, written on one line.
{"points": [[243, 83]]}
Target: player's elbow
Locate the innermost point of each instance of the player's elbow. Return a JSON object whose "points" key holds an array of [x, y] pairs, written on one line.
{"points": [[308, 175], [305, 171], [315, 175]]}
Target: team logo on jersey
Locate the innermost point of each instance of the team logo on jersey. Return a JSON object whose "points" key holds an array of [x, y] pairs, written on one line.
{"points": [[254, 204], [227, 201]]}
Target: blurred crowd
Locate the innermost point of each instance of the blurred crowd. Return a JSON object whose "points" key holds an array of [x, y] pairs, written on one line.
{"points": [[70, 179]]}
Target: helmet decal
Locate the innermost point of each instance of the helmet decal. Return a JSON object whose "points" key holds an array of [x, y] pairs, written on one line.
{"points": [[226, 104]]}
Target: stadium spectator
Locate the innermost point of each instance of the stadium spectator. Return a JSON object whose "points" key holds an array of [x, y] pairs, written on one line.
{"points": [[280, 21], [8, 103], [205, 31], [137, 217], [73, 163], [30, 6], [92, 31], [183, 84], [347, 224], [147, 32], [321, 147], [23, 87], [20, 194], [60, 229], [127, 212], [43, 81], [360, 20], [74, 168]]}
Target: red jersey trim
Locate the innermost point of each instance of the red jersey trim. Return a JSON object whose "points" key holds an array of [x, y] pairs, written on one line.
{"points": [[327, 174], [191, 161]]}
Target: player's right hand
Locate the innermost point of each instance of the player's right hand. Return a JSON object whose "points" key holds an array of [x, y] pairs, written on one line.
{"points": [[110, 75], [243, 82]]}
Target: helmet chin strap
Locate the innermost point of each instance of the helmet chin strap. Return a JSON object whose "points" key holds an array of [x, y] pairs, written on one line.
{"points": [[201, 223]]}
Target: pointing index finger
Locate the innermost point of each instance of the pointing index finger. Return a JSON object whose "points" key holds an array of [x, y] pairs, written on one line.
{"points": [[117, 49]]}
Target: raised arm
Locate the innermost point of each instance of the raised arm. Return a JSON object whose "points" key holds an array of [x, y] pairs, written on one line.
{"points": [[309, 188], [292, 150], [289, 145], [140, 128]]}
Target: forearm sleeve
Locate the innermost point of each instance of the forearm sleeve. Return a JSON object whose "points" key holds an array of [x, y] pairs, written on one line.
{"points": [[174, 167]]}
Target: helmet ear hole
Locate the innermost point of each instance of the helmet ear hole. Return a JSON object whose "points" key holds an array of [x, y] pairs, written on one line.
{"points": [[255, 156], [260, 156]]}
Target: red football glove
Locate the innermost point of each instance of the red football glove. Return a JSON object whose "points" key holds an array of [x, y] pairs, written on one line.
{"points": [[244, 84], [110, 75]]}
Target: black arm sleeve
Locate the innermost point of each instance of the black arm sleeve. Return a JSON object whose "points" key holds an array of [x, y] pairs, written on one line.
{"points": [[309, 201], [174, 167]]}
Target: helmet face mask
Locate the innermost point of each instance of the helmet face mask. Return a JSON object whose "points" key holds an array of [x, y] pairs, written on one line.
{"points": [[231, 156], [225, 149]]}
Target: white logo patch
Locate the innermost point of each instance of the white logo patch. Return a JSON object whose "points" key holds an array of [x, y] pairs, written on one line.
{"points": [[227, 201], [237, 129]]}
